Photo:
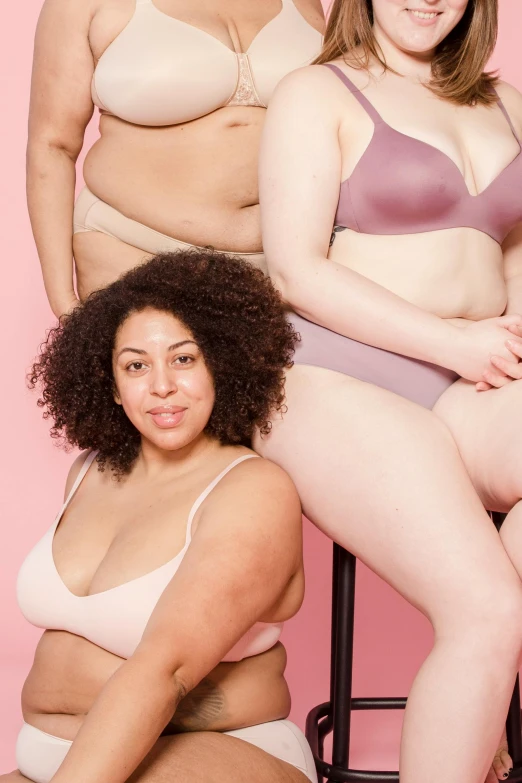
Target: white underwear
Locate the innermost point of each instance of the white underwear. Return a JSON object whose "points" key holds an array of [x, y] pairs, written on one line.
{"points": [[39, 755]]}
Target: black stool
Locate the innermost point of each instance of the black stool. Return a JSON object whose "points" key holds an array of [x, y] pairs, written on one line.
{"points": [[335, 715]]}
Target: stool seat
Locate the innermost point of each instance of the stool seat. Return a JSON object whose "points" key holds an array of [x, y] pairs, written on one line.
{"points": [[334, 716]]}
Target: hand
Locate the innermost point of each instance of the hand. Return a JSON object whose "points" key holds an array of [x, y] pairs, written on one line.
{"points": [[474, 346]]}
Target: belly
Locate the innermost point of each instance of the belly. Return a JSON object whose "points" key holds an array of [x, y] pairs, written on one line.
{"points": [[69, 673], [455, 273], [195, 182]]}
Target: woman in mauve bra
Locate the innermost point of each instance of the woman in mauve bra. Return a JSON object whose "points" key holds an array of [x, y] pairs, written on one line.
{"points": [[163, 584], [182, 89], [392, 223]]}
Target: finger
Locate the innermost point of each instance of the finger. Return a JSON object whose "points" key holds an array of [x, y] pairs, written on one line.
{"points": [[482, 386], [515, 329], [506, 320], [496, 379], [511, 369], [515, 346]]}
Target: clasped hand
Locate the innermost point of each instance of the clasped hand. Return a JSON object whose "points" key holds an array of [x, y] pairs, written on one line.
{"points": [[488, 352]]}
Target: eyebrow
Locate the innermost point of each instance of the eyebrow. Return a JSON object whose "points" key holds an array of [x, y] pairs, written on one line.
{"points": [[141, 352]]}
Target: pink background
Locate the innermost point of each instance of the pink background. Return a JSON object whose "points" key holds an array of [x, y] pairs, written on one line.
{"points": [[33, 471]]}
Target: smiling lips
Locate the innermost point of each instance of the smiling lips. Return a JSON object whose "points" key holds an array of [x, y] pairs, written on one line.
{"points": [[423, 16], [167, 416]]}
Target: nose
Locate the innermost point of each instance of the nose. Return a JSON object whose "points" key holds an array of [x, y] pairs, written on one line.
{"points": [[163, 381]]}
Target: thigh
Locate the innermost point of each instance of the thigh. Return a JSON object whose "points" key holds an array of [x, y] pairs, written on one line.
{"points": [[487, 428], [384, 478], [210, 757], [100, 259]]}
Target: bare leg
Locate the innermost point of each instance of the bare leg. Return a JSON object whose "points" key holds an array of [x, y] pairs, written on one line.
{"points": [[210, 757], [204, 757], [384, 478], [101, 259], [488, 433]]}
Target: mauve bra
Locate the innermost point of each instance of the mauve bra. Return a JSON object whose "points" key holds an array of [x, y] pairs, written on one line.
{"points": [[405, 186], [402, 185]]}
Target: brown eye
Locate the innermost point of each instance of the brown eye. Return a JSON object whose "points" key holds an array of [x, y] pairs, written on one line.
{"points": [[184, 359], [135, 366]]}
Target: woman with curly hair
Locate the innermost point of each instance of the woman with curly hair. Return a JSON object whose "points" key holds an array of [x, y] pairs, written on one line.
{"points": [[164, 582]]}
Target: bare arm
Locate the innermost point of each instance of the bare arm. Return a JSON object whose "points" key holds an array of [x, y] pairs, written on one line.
{"points": [[246, 550], [300, 172], [512, 248], [60, 110]]}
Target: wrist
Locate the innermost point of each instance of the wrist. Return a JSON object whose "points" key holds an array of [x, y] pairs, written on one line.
{"points": [[445, 345]]}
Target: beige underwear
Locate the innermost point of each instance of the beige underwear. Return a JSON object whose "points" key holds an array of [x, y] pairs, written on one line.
{"points": [[39, 755], [93, 214]]}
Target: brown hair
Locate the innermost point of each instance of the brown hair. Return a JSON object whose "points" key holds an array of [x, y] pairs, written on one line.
{"points": [[458, 66]]}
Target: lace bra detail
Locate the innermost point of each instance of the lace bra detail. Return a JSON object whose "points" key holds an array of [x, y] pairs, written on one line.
{"points": [[246, 93]]}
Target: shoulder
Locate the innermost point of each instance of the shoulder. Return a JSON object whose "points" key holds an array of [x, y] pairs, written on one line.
{"points": [[74, 470], [309, 96], [257, 478], [67, 11], [258, 491], [312, 11], [512, 100]]}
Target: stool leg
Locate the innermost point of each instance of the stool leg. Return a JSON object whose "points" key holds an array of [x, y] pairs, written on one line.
{"points": [[342, 674], [514, 728]]}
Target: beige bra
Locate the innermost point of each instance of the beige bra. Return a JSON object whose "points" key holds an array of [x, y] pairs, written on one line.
{"points": [[162, 71]]}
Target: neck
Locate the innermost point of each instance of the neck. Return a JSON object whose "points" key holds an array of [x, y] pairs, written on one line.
{"points": [[415, 66], [153, 460]]}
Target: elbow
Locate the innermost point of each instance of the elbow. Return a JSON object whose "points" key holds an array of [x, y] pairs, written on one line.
{"points": [[41, 150], [292, 287], [162, 680]]}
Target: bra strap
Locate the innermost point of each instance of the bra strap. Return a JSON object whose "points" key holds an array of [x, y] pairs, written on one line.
{"points": [[363, 100], [89, 459], [508, 118], [206, 492]]}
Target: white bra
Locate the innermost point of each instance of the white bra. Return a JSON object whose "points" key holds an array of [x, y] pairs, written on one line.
{"points": [[162, 71], [115, 619]]}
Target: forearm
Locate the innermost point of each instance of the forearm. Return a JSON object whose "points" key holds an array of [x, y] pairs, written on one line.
{"points": [[51, 180], [129, 715], [349, 303]]}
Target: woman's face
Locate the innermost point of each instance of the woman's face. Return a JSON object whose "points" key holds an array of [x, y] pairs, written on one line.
{"points": [[416, 26], [161, 379]]}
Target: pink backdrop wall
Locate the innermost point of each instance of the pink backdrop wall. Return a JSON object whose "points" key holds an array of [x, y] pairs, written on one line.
{"points": [[32, 470]]}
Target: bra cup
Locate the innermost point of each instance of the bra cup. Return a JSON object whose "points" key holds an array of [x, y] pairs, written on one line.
{"points": [[180, 78], [401, 186], [295, 42]]}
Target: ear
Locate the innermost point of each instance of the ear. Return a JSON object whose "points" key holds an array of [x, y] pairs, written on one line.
{"points": [[116, 396]]}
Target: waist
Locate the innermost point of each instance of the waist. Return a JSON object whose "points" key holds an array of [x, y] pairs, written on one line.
{"points": [[198, 183], [69, 673], [452, 273]]}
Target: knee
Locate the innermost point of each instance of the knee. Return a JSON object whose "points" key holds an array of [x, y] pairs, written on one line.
{"points": [[489, 620]]}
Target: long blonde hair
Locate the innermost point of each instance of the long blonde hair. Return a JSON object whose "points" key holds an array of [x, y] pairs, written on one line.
{"points": [[458, 66]]}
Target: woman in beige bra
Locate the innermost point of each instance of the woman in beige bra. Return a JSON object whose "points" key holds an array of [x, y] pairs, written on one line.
{"points": [[165, 579], [182, 88], [411, 153]]}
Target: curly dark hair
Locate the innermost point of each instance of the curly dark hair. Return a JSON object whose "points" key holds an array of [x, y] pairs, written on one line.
{"points": [[235, 315]]}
